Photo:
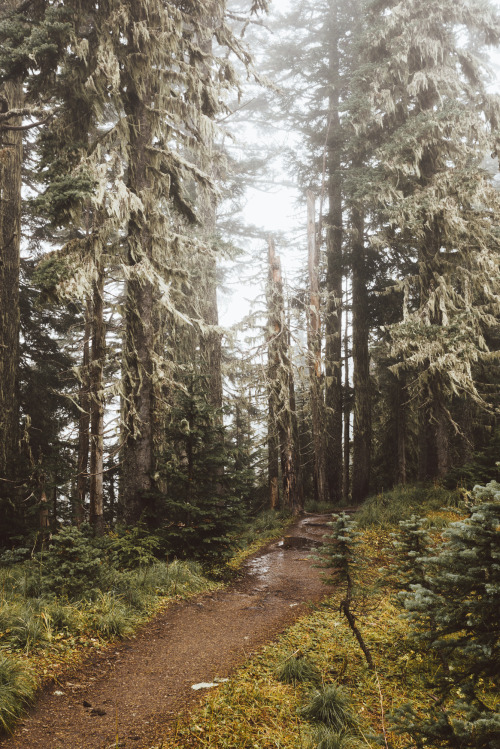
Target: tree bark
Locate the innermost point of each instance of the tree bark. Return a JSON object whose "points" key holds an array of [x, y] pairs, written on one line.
{"points": [[314, 353], [346, 486], [84, 421], [138, 454], [281, 386], [211, 341], [361, 457], [297, 461], [436, 433], [11, 154], [334, 239], [272, 458], [274, 326], [401, 429], [44, 520], [97, 404], [140, 308]]}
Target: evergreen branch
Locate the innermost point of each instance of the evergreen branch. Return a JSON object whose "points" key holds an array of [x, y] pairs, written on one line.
{"points": [[29, 126], [247, 21], [22, 112]]}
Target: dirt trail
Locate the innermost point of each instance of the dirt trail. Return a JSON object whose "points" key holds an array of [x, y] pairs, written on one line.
{"points": [[129, 694]]}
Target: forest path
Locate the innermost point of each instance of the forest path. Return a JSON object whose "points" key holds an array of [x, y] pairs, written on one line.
{"points": [[128, 695]]}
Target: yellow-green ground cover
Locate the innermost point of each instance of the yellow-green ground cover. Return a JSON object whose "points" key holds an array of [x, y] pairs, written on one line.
{"points": [[254, 710]]}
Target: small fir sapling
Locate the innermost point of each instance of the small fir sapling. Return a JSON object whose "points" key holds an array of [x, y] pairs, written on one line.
{"points": [[202, 508], [455, 614], [73, 565], [411, 545], [339, 555]]}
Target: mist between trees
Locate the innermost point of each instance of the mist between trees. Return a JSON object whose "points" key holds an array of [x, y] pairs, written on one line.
{"points": [[130, 134]]}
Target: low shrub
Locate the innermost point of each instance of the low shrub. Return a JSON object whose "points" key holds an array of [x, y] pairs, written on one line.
{"points": [[130, 548], [265, 524], [14, 556], [452, 615]]}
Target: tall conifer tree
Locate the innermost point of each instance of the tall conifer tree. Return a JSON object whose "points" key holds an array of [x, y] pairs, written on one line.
{"points": [[424, 108], [11, 145]]}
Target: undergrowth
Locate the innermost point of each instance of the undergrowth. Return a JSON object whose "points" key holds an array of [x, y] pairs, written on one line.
{"points": [[42, 634], [319, 508], [387, 509], [83, 592], [17, 688], [340, 703]]}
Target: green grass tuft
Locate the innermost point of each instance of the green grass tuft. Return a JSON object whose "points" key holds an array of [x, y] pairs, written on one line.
{"points": [[17, 687], [332, 706], [299, 669], [112, 618], [325, 737]]}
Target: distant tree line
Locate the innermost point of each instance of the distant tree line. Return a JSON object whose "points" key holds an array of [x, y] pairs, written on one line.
{"points": [[399, 127]]}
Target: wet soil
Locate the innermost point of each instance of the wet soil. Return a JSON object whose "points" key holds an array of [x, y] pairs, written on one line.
{"points": [[134, 691]]}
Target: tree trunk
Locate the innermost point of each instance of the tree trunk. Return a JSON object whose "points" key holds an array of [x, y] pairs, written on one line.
{"points": [[44, 520], [111, 490], [361, 457], [424, 442], [83, 422], [97, 404], [314, 353], [297, 461], [433, 400], [334, 239], [54, 505], [280, 384], [346, 488], [401, 429], [11, 154], [272, 457], [273, 333], [442, 437], [139, 314], [465, 418], [211, 341]]}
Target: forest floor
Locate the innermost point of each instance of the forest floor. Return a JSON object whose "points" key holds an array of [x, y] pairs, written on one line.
{"points": [[136, 690]]}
